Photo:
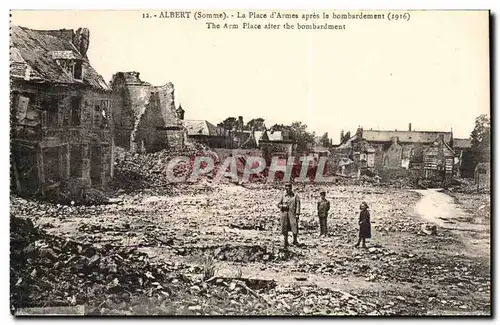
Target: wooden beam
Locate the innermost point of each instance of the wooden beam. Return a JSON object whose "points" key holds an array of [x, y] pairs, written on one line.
{"points": [[41, 170], [16, 175]]}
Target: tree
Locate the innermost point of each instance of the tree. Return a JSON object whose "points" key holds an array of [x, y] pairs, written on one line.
{"points": [[257, 124], [480, 139], [301, 135], [324, 140], [229, 124]]}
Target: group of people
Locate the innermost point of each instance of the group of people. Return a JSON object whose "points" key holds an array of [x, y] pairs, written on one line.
{"points": [[289, 206]]}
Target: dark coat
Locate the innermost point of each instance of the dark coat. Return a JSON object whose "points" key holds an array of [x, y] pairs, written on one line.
{"points": [[290, 209], [365, 229], [323, 208]]}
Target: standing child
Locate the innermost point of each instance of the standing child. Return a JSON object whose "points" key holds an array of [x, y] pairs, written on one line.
{"points": [[323, 208], [365, 230]]}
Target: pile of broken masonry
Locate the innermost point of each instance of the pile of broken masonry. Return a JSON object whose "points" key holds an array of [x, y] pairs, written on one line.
{"points": [[48, 270], [149, 170]]}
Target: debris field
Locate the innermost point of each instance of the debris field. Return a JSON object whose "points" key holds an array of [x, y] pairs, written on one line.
{"points": [[216, 249]]}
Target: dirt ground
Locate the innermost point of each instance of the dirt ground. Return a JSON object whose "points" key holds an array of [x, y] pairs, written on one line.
{"points": [[404, 271]]}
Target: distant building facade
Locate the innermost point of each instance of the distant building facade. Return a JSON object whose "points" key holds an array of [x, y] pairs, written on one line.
{"points": [[427, 151], [206, 133]]}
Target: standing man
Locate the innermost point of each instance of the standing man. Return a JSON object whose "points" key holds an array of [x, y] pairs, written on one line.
{"points": [[323, 208], [290, 211]]}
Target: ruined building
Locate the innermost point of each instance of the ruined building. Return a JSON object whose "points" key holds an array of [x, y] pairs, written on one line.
{"points": [[438, 159], [61, 142], [145, 118], [429, 152]]}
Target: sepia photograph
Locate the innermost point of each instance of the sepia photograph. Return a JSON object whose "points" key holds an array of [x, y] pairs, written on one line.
{"points": [[185, 162]]}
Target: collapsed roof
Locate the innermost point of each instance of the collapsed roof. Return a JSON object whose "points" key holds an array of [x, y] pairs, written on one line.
{"points": [[39, 56]]}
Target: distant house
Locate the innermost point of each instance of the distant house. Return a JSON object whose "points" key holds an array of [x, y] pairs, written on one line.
{"points": [[145, 116], [385, 150], [355, 154], [438, 160], [276, 141], [394, 148], [60, 115], [204, 132]]}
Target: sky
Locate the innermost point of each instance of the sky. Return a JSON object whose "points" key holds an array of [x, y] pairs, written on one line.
{"points": [[431, 71]]}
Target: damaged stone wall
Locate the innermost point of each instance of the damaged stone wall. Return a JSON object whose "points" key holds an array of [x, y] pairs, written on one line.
{"points": [[149, 134], [393, 155], [166, 96], [144, 115]]}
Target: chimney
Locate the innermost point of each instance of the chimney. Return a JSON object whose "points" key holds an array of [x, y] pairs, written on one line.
{"points": [[409, 127], [341, 136], [81, 40], [240, 123], [180, 112], [359, 131]]}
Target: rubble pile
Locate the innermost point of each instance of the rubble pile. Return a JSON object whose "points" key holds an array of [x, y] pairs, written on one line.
{"points": [[311, 300], [21, 207], [410, 266], [247, 224], [478, 205], [401, 182], [467, 186], [94, 197], [241, 253], [22, 236], [457, 273], [238, 296], [135, 171], [402, 225], [55, 271]]}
